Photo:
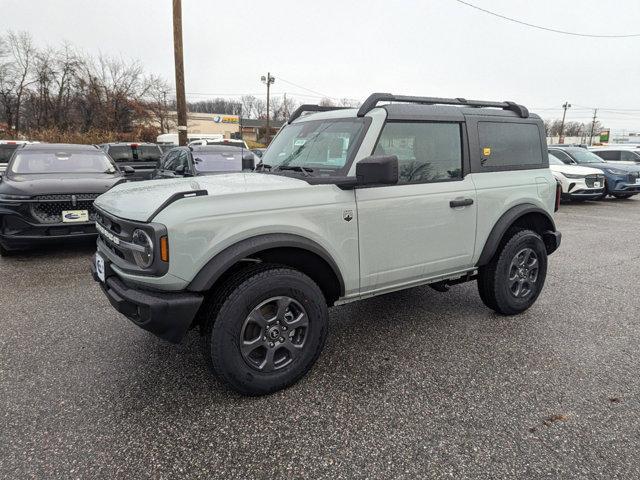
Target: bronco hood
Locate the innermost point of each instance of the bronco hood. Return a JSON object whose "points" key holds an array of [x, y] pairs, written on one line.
{"points": [[140, 201]]}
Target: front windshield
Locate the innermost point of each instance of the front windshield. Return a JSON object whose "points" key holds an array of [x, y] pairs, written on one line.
{"points": [[320, 146], [581, 155], [218, 161], [553, 160], [61, 162]]}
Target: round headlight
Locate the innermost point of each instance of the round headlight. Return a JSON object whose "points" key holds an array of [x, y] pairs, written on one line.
{"points": [[144, 256]]}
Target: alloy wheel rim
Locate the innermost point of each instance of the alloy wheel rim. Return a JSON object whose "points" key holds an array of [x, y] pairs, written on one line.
{"points": [[274, 334], [523, 273]]}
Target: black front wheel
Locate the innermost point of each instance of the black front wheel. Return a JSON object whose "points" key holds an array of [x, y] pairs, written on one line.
{"points": [[511, 282], [264, 329]]}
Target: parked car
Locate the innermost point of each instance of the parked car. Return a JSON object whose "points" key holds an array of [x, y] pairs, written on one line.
{"points": [[621, 181], [7, 147], [577, 183], [348, 204], [225, 141], [47, 193], [142, 157], [207, 160], [629, 155]]}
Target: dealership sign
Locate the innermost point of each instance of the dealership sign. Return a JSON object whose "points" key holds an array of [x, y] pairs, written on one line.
{"points": [[226, 119]]}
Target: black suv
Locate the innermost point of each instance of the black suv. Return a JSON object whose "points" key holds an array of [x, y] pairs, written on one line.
{"points": [[47, 193], [142, 157]]}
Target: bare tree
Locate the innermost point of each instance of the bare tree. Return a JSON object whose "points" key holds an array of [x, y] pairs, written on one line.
{"points": [[350, 102], [260, 108], [158, 93], [23, 53], [326, 102], [248, 102]]}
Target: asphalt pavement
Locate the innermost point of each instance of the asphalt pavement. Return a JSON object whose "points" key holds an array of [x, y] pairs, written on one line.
{"points": [[414, 384]]}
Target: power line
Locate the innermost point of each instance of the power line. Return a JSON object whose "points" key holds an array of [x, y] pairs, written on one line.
{"points": [[305, 88], [554, 30]]}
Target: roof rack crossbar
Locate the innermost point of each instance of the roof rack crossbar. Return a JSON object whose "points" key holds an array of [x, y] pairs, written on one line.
{"points": [[311, 108], [372, 101]]}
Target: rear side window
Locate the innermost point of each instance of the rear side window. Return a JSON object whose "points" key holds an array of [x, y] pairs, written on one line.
{"points": [[628, 156], [504, 144], [427, 152], [609, 155]]}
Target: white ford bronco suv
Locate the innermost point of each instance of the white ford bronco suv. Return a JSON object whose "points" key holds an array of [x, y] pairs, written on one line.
{"points": [[346, 204]]}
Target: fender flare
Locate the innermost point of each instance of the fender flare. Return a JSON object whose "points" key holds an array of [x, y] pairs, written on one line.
{"points": [[505, 222], [220, 263]]}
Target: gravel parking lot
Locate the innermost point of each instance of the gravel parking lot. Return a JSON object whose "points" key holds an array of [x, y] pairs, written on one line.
{"points": [[411, 384]]}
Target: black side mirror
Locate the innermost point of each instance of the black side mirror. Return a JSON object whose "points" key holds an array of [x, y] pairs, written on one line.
{"points": [[248, 161], [377, 170], [129, 170]]}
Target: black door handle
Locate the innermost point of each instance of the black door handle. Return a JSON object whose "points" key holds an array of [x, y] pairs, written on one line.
{"points": [[464, 202]]}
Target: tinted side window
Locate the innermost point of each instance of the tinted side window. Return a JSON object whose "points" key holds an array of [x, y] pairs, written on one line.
{"points": [[427, 152], [504, 144], [562, 156], [628, 156], [609, 155]]}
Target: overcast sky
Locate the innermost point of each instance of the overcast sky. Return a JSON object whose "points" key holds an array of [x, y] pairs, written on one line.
{"points": [[351, 48]]}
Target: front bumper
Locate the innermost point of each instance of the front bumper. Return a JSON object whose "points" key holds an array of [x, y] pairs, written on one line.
{"points": [[17, 233], [585, 194], [168, 315]]}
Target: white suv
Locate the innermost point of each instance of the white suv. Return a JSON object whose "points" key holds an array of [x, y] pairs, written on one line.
{"points": [[346, 204]]}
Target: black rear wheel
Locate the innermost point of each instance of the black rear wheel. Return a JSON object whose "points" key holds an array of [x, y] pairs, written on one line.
{"points": [[264, 329], [511, 282]]}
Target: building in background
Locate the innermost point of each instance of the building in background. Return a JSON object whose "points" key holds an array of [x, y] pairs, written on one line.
{"points": [[255, 129]]}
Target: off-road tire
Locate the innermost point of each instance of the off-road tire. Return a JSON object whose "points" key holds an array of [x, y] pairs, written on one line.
{"points": [[227, 309], [493, 278]]}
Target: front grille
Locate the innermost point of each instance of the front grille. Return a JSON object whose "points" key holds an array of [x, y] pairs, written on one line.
{"points": [[633, 176], [49, 208], [591, 179]]}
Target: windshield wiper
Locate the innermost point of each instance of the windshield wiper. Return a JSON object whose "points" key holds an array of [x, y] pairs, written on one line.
{"points": [[296, 168]]}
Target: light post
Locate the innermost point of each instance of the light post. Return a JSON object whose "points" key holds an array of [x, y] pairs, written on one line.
{"points": [[565, 106], [268, 80]]}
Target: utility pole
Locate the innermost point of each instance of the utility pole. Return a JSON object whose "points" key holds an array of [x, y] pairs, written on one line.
{"points": [[593, 124], [179, 66], [564, 106], [269, 81]]}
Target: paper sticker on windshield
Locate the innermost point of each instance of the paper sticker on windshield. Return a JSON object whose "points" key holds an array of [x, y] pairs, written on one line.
{"points": [[300, 142], [486, 151]]}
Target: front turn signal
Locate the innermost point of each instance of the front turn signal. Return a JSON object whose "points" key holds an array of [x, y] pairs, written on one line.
{"points": [[164, 249]]}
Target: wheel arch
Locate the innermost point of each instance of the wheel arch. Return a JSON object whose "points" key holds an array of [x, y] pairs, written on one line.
{"points": [[525, 216], [285, 249]]}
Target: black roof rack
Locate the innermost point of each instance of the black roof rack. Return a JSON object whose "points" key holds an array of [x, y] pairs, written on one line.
{"points": [[373, 100], [311, 108]]}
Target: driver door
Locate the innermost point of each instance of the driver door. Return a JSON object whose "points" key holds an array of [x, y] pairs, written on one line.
{"points": [[425, 225]]}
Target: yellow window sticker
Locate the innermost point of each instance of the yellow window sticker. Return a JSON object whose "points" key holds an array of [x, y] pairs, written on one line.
{"points": [[486, 151]]}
